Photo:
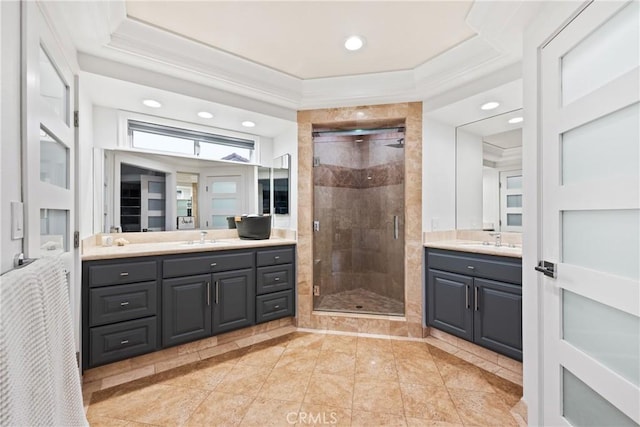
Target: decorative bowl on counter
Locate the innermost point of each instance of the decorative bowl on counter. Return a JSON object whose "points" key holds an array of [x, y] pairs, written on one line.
{"points": [[253, 227]]}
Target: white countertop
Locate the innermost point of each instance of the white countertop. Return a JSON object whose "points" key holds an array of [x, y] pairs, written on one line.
{"points": [[166, 248], [476, 247]]}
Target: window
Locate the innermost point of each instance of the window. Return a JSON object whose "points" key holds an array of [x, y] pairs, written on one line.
{"points": [[169, 139]]}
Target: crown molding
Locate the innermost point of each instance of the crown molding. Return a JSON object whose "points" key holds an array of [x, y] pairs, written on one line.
{"points": [[102, 29]]}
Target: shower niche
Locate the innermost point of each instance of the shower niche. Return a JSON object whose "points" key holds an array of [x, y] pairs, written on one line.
{"points": [[358, 199]]}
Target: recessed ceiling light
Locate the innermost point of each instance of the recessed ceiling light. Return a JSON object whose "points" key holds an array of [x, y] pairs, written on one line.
{"points": [[248, 124], [354, 43], [490, 105], [516, 120], [205, 115], [152, 103]]}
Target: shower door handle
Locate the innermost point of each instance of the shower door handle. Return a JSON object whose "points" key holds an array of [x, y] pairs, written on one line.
{"points": [[396, 227]]}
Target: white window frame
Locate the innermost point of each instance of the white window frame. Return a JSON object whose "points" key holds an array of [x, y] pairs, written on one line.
{"points": [[125, 143]]}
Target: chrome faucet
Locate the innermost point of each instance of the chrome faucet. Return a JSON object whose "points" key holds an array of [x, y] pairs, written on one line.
{"points": [[498, 237], [202, 236]]}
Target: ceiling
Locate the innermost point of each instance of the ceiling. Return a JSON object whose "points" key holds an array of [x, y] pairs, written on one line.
{"points": [[505, 140], [305, 39]]}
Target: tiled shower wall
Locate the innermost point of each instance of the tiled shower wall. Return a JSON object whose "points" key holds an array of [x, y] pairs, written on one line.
{"points": [[412, 323], [358, 188]]}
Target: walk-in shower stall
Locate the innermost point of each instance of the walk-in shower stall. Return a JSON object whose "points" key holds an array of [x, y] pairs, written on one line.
{"points": [[358, 239]]}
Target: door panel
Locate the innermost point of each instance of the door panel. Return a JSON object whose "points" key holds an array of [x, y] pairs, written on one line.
{"points": [[186, 309], [449, 303], [590, 217], [233, 300], [498, 317]]}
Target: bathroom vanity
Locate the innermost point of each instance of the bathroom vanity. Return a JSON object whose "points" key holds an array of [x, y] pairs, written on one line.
{"points": [[134, 305], [476, 297]]}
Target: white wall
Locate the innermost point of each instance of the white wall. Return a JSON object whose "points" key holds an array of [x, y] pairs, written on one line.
{"points": [[469, 181], [491, 196], [10, 160], [85, 173], [438, 175], [287, 143]]}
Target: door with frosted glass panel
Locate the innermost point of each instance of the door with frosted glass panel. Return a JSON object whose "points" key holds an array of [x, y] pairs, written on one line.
{"points": [[224, 198], [153, 203], [591, 218], [49, 140], [511, 201]]}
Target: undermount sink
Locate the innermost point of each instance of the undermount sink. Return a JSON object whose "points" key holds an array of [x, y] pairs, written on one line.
{"points": [[209, 243]]}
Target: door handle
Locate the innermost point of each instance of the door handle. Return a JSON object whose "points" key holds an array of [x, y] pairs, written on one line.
{"points": [[396, 227], [466, 297], [217, 290], [475, 297], [208, 293], [547, 268]]}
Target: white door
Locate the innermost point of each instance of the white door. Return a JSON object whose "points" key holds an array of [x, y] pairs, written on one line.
{"points": [[511, 201], [225, 197], [49, 180], [591, 218], [153, 203]]}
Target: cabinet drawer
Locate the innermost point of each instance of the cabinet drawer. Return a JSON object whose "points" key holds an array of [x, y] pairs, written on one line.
{"points": [[275, 257], [190, 265], [479, 265], [122, 272], [274, 278], [112, 304], [122, 340], [274, 306]]}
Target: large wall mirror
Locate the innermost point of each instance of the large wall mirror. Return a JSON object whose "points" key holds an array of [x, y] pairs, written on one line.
{"points": [[274, 195], [489, 174]]}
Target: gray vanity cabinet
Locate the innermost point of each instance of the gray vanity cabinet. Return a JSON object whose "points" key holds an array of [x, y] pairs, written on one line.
{"points": [[476, 297], [206, 294], [186, 309]]}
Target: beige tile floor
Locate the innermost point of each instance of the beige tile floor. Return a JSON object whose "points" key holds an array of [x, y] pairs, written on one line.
{"points": [[315, 379]]}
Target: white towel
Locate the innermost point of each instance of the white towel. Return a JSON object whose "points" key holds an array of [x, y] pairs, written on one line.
{"points": [[39, 378]]}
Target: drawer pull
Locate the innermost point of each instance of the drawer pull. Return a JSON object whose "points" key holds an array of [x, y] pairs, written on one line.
{"points": [[276, 306], [124, 303], [213, 264], [277, 279], [275, 258], [123, 342], [471, 267], [124, 274]]}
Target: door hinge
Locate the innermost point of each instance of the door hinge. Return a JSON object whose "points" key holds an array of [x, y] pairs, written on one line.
{"points": [[316, 290], [76, 239], [76, 120], [206, 223], [547, 268], [316, 225], [316, 161], [206, 188]]}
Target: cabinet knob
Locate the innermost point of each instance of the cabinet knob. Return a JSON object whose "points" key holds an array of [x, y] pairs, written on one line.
{"points": [[124, 303], [123, 342]]}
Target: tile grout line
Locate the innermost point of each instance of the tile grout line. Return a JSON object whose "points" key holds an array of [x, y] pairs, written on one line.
{"points": [[448, 391]]}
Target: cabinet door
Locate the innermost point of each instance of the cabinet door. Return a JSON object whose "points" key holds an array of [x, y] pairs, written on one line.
{"points": [[498, 317], [449, 303], [186, 309], [234, 299]]}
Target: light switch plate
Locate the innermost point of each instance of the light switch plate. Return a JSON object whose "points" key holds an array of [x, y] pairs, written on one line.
{"points": [[17, 220]]}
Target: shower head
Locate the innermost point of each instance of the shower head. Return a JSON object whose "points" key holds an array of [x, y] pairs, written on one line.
{"points": [[399, 144]]}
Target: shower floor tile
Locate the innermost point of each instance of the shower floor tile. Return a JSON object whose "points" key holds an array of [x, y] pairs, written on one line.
{"points": [[280, 396], [360, 301]]}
